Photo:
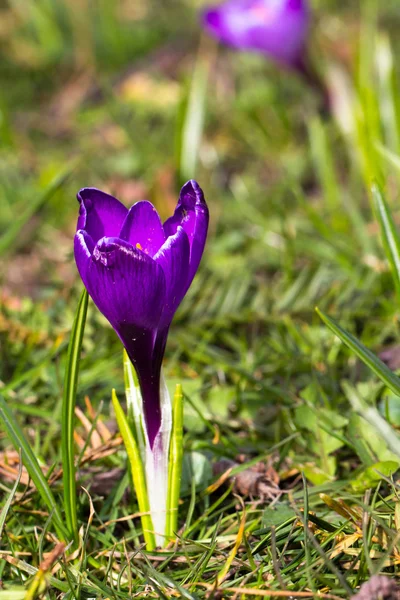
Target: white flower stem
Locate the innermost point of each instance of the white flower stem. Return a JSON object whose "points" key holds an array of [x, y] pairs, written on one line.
{"points": [[156, 468], [154, 460], [134, 404]]}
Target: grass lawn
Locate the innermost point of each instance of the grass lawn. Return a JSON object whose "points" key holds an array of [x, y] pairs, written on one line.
{"points": [[291, 453]]}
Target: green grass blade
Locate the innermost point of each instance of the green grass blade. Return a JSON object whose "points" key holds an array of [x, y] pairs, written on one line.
{"points": [[68, 415], [368, 358], [373, 417], [388, 90], [138, 476], [175, 462], [19, 441], [7, 504], [324, 162], [34, 372], [390, 236], [9, 238], [191, 121], [391, 157]]}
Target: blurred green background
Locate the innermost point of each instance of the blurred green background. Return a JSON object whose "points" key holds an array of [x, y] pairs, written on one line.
{"points": [[131, 97]]}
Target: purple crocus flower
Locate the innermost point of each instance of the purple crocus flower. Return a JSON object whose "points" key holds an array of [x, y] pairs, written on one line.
{"points": [[137, 271], [276, 28]]}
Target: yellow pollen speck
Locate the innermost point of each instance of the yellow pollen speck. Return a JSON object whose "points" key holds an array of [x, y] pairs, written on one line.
{"points": [[139, 246]]}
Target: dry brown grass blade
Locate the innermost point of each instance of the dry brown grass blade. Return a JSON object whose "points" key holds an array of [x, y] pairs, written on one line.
{"points": [[95, 439], [51, 557], [9, 468], [265, 593], [239, 538], [102, 429], [135, 515], [220, 481]]}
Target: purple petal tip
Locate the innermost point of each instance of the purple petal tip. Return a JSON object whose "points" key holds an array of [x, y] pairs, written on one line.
{"points": [[191, 194], [84, 194]]}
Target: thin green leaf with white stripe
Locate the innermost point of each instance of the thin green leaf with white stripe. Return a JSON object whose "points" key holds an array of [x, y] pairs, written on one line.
{"points": [[19, 441], [175, 462], [137, 470], [134, 404], [68, 415], [390, 236], [368, 358]]}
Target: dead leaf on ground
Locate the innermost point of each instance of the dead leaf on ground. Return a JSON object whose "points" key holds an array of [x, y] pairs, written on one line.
{"points": [[260, 481], [378, 588]]}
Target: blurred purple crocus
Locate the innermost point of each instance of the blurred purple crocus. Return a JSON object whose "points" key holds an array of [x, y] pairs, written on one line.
{"points": [[137, 271], [275, 28]]}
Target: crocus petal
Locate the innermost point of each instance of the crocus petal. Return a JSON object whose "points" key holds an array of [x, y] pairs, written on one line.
{"points": [[277, 28], [191, 214], [83, 250], [100, 214], [137, 271], [143, 228], [173, 257], [126, 285]]}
